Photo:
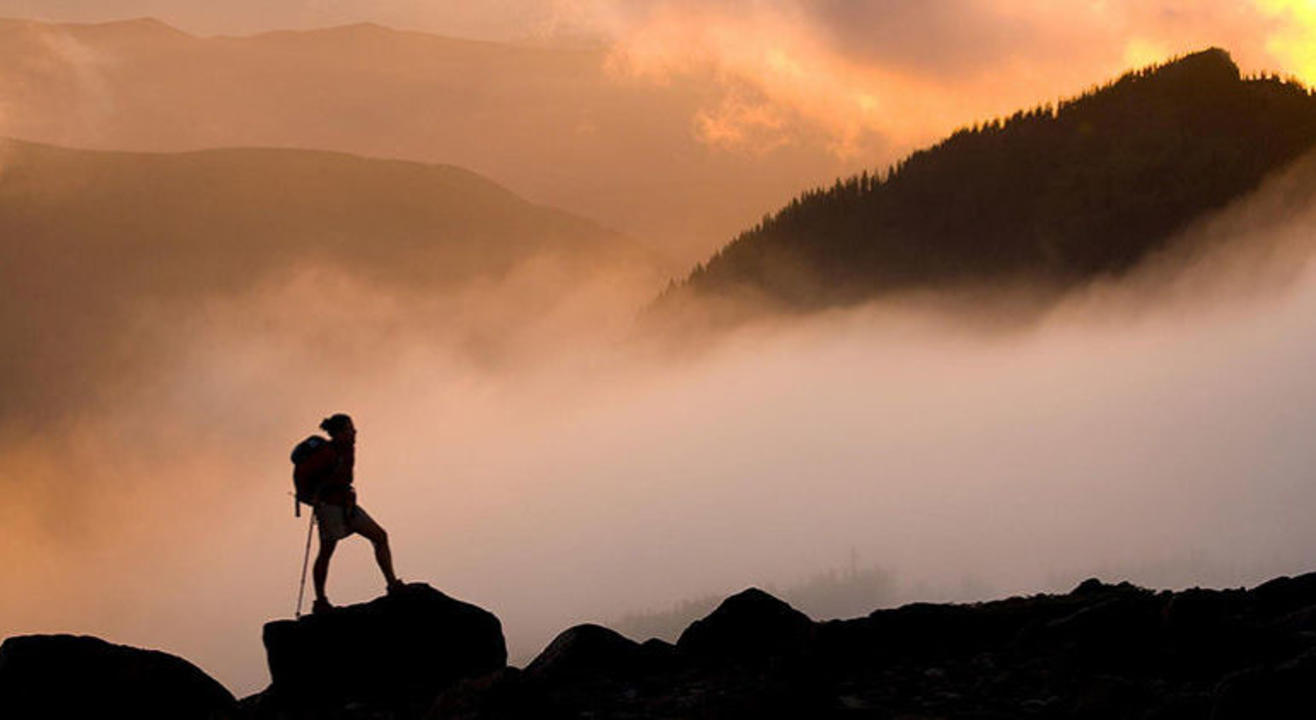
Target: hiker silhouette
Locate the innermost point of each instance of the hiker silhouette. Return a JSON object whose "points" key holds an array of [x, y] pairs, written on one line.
{"points": [[336, 511]]}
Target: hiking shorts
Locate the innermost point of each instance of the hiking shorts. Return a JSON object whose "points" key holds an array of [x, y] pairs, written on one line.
{"points": [[336, 523]]}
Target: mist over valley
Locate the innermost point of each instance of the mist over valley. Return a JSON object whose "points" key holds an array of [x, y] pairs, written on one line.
{"points": [[177, 318]]}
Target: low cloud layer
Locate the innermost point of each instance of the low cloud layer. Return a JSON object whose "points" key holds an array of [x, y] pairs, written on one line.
{"points": [[530, 451], [1155, 429]]}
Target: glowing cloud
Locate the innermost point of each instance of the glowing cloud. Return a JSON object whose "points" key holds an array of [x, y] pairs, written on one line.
{"points": [[895, 75], [1294, 42], [781, 79]]}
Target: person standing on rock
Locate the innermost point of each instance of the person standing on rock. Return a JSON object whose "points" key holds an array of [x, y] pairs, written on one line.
{"points": [[337, 512]]}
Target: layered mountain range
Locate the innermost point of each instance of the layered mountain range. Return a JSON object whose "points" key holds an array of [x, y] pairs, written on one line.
{"points": [[90, 238], [563, 125]]}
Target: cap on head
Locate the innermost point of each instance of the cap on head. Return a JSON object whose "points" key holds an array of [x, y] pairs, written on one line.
{"points": [[336, 423]]}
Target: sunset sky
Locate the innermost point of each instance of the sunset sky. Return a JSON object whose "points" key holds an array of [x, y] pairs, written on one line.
{"points": [[896, 67], [525, 446]]}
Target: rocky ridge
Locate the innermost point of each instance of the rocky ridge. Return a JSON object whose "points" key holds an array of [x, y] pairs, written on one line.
{"points": [[71, 676], [1100, 651]]}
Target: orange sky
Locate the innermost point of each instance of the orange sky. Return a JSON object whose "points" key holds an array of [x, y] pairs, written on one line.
{"points": [[906, 70], [780, 96], [580, 477]]}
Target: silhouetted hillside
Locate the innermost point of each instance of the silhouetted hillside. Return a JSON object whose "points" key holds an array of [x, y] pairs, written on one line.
{"points": [[1055, 194], [224, 216], [89, 240]]}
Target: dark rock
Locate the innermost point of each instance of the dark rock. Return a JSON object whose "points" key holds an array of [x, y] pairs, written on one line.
{"points": [[1091, 586], [500, 695], [1276, 693], [1107, 651], [926, 630], [1102, 651], [1181, 705], [1108, 696], [1115, 630], [587, 670], [1203, 634], [67, 676], [1284, 595], [586, 649], [398, 651], [1298, 621], [749, 626], [658, 648], [923, 629], [1196, 611]]}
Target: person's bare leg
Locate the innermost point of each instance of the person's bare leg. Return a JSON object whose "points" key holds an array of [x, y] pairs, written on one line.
{"points": [[321, 569], [379, 538]]}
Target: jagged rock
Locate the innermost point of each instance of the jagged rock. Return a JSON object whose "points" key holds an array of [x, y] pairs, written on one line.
{"points": [[1094, 586], [1279, 692], [1103, 651], [1089, 587], [1114, 628], [1106, 651], [585, 649], [1284, 595], [398, 651], [1196, 611], [68, 676], [751, 625], [502, 694], [579, 669], [587, 668]]}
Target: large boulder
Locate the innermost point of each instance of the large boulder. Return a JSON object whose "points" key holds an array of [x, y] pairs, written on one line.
{"points": [[749, 626], [1281, 691], [68, 676], [399, 650], [590, 649], [586, 649], [1284, 595], [586, 668]]}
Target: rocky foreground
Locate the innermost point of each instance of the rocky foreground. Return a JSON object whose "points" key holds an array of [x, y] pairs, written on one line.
{"points": [[1101, 651]]}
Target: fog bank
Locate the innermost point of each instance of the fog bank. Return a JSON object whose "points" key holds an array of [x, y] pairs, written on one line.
{"points": [[528, 453]]}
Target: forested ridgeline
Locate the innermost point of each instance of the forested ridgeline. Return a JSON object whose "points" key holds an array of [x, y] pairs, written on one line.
{"points": [[1058, 194]]}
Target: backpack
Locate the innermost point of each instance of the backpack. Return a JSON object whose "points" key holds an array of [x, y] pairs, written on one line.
{"points": [[312, 461]]}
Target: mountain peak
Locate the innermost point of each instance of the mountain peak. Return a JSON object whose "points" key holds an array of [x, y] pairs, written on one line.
{"points": [[1215, 58], [1050, 195], [141, 26], [1212, 65]]}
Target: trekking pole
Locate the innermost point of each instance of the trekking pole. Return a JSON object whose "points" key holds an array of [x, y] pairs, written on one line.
{"points": [[301, 590]]}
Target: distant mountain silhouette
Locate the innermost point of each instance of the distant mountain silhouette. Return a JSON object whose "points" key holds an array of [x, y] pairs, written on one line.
{"points": [[1057, 195], [237, 213], [86, 236], [553, 124]]}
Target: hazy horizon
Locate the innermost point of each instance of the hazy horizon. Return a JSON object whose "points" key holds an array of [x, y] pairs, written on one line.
{"points": [[1151, 429], [734, 106], [528, 444]]}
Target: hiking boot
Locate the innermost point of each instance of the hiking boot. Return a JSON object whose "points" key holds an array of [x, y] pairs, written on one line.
{"points": [[321, 606]]}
